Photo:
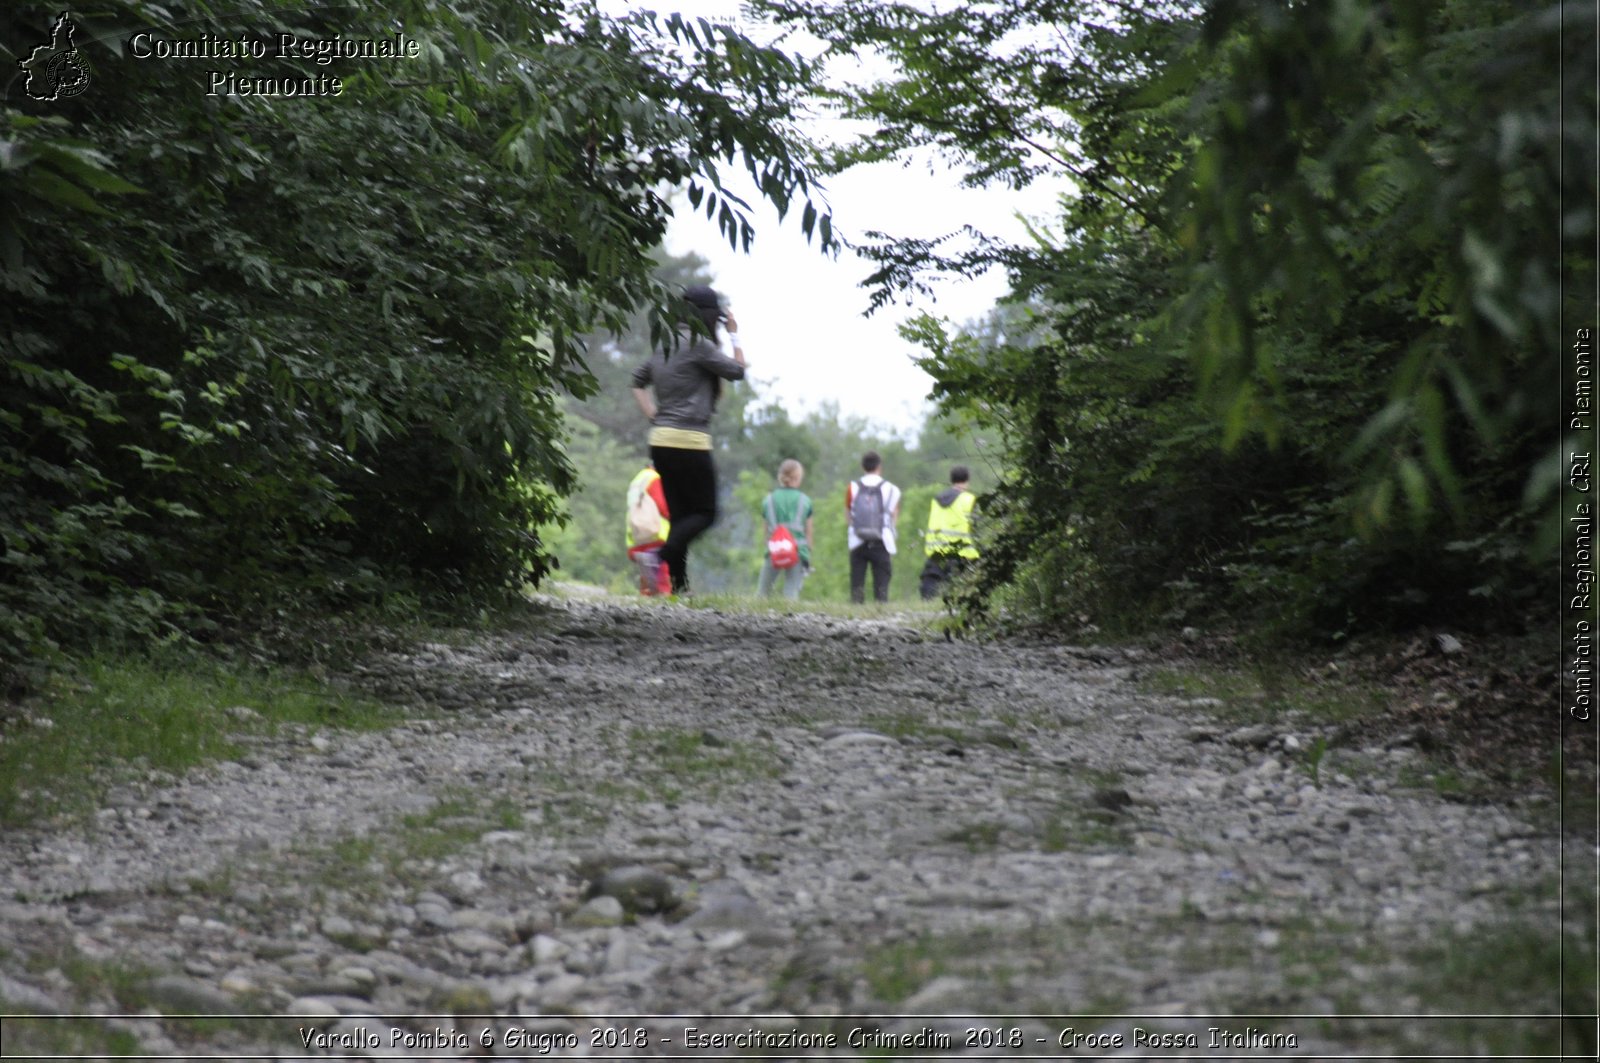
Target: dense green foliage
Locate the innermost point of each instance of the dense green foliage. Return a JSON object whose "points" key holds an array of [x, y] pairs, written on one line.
{"points": [[1289, 349], [312, 346], [1284, 349], [607, 446]]}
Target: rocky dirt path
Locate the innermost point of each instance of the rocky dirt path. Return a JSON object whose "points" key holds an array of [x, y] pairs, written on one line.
{"points": [[791, 823]]}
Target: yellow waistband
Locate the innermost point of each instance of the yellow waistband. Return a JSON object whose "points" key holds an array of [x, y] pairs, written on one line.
{"points": [[680, 438]]}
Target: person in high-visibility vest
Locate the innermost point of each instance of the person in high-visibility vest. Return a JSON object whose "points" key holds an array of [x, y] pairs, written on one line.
{"points": [[647, 527], [948, 541]]}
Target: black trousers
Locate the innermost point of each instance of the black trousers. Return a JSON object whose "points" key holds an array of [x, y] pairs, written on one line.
{"points": [[689, 480], [870, 554], [939, 569]]}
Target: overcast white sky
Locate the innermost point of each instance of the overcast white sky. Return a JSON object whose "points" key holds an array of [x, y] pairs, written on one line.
{"points": [[800, 313]]}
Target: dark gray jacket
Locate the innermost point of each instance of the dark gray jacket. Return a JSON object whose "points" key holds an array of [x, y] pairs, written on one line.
{"points": [[686, 383]]}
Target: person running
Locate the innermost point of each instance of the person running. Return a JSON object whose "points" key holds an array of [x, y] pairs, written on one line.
{"points": [[873, 507], [791, 508], [948, 542], [647, 526], [687, 383]]}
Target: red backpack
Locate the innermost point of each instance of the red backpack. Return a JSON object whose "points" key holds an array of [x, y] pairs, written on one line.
{"points": [[782, 549]]}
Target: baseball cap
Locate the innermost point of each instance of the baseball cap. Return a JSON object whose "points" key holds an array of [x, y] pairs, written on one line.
{"points": [[703, 297]]}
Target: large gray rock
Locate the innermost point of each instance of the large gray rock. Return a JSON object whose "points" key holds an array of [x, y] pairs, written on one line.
{"points": [[600, 911], [640, 890]]}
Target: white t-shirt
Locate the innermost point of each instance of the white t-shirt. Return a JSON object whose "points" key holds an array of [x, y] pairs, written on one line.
{"points": [[891, 506]]}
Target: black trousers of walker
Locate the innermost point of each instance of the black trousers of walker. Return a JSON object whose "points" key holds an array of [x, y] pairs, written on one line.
{"points": [[689, 482], [874, 555], [939, 570]]}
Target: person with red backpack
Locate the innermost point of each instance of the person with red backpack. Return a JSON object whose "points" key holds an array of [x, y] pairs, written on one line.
{"points": [[647, 529], [788, 513], [873, 506]]}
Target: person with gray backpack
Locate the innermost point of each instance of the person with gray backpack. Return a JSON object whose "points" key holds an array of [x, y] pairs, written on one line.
{"points": [[873, 506]]}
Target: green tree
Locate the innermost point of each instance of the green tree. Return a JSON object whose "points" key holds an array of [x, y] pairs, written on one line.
{"points": [[263, 344], [1288, 336]]}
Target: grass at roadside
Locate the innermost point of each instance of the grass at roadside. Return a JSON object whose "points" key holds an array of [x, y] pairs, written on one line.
{"points": [[1468, 719], [1262, 693], [105, 718]]}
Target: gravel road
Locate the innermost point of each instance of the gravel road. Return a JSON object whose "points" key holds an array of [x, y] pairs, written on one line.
{"points": [[626, 829]]}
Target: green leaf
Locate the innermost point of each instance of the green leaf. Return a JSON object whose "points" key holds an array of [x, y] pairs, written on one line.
{"points": [[53, 188]]}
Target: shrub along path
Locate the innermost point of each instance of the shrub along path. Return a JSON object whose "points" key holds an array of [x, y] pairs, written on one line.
{"points": [[624, 809]]}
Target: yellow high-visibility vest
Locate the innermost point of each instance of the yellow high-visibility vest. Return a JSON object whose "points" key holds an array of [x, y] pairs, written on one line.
{"points": [[950, 527]]}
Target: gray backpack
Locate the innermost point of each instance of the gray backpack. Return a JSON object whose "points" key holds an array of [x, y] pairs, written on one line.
{"points": [[866, 512]]}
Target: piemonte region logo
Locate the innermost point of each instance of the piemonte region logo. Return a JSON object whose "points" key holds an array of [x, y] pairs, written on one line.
{"points": [[56, 71]]}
